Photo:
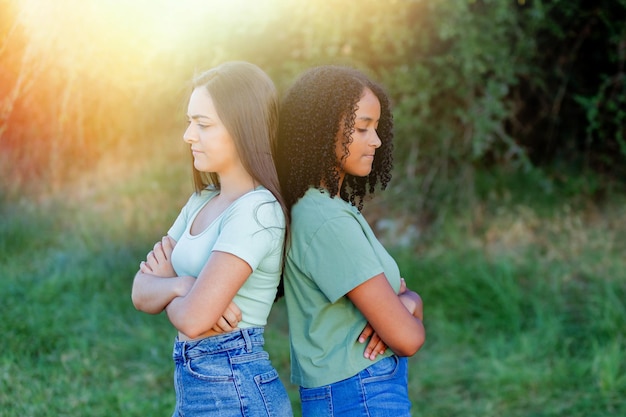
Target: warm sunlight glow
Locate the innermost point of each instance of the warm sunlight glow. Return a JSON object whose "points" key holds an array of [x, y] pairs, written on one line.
{"points": [[113, 37], [94, 83], [82, 76]]}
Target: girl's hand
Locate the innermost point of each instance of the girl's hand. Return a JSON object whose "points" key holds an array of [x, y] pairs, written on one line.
{"points": [[376, 346], [229, 320], [159, 261], [402, 286], [413, 302]]}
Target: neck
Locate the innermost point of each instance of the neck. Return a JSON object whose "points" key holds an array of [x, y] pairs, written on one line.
{"points": [[235, 184]]}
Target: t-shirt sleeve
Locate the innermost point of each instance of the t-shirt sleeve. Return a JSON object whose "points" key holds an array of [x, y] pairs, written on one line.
{"points": [[340, 257], [252, 228]]}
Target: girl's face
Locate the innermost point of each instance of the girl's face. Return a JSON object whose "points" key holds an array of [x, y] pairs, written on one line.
{"points": [[211, 144], [364, 140]]}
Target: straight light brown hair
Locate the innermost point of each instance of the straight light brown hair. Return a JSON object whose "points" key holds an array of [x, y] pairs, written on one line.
{"points": [[246, 101]]}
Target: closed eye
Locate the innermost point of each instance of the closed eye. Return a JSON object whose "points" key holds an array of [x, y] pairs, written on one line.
{"points": [[200, 125]]}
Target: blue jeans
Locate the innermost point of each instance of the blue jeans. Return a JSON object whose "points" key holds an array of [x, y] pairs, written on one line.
{"points": [[381, 390], [228, 375]]}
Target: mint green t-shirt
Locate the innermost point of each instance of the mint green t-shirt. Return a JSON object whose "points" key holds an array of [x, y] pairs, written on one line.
{"points": [[251, 228], [333, 250]]}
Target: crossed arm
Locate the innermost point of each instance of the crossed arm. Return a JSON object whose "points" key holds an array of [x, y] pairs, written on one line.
{"points": [[394, 320], [156, 286]]}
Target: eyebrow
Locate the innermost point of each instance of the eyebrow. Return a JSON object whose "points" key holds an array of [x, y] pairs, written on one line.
{"points": [[367, 119], [198, 116]]}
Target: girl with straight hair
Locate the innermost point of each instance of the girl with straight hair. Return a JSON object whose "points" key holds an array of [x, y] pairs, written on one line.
{"points": [[217, 271]]}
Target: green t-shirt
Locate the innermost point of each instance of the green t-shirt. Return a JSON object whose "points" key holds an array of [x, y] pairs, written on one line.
{"points": [[332, 251]]}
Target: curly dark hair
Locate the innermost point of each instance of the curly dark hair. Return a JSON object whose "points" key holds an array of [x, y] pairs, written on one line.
{"points": [[310, 118]]}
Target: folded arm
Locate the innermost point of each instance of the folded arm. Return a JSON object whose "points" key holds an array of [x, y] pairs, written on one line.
{"points": [[156, 285], [395, 319], [375, 345], [202, 307]]}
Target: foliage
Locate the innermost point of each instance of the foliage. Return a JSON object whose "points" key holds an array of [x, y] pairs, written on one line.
{"points": [[475, 84], [571, 104], [71, 95], [450, 87]]}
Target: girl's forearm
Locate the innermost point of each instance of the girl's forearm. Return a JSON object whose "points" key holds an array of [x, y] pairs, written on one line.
{"points": [[151, 294], [192, 326], [401, 330]]}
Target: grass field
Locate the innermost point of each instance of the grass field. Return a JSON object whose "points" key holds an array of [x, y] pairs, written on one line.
{"points": [[524, 307]]}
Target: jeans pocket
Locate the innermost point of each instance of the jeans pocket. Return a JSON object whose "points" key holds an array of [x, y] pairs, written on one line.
{"points": [[316, 401], [209, 368], [386, 387], [381, 370], [273, 393]]}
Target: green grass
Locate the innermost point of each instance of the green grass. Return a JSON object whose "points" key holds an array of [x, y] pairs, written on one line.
{"points": [[524, 310]]}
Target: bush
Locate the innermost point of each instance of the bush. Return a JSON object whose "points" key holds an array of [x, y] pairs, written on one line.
{"points": [[571, 102]]}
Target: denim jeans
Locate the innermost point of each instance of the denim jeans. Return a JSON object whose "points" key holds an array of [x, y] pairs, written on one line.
{"points": [[381, 390], [228, 375]]}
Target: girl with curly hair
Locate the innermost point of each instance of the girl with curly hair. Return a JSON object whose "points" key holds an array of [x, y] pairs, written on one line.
{"points": [[217, 271], [342, 288]]}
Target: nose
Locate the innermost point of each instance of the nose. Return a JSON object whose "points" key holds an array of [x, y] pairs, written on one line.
{"points": [[189, 136], [376, 142]]}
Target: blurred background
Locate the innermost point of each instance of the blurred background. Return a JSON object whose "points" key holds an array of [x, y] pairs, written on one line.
{"points": [[506, 210]]}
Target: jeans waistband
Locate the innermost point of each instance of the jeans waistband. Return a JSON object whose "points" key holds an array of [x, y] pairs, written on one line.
{"points": [[241, 338]]}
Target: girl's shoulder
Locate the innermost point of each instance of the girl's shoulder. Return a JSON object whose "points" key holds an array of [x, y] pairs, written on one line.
{"points": [[255, 198], [318, 202], [260, 203], [196, 201], [260, 194]]}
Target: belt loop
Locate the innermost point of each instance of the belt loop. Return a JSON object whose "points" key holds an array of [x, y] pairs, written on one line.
{"points": [[183, 351], [246, 337]]}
